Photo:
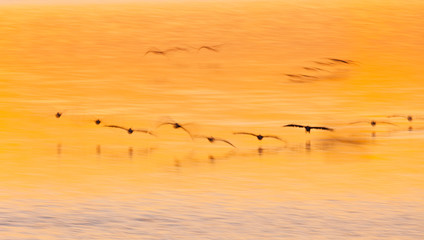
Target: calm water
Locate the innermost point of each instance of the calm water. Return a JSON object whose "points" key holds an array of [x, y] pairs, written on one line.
{"points": [[70, 179]]}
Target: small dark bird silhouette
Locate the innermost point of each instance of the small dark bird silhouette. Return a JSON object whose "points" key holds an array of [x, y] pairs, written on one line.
{"points": [[58, 114], [259, 136], [314, 69], [176, 125], [308, 76], [308, 128], [210, 48], [164, 52], [340, 60], [130, 130], [98, 121], [293, 75], [408, 117], [213, 139], [324, 63], [373, 122]]}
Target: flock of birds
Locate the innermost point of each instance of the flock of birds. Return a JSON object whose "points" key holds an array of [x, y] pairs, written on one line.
{"points": [[323, 68], [320, 70], [214, 48], [259, 137]]}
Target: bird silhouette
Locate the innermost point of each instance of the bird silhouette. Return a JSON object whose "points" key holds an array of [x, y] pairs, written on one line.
{"points": [[340, 60], [164, 52], [213, 139], [210, 48], [98, 121], [58, 114], [407, 117], [314, 69], [259, 136], [373, 122], [308, 128], [176, 126], [130, 130]]}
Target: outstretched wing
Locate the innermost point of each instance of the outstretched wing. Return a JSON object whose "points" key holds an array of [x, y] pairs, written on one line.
{"points": [[165, 123], [144, 131], [175, 49], [294, 125], [187, 131], [359, 122], [200, 136], [115, 126], [223, 140], [214, 48], [323, 128], [402, 116], [272, 136], [387, 123], [246, 133]]}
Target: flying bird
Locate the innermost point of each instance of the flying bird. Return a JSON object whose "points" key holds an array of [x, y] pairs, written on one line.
{"points": [[210, 48], [176, 126], [130, 130], [308, 128], [213, 139], [58, 114], [259, 136], [314, 69], [408, 117], [373, 122], [340, 60], [164, 52], [98, 121]]}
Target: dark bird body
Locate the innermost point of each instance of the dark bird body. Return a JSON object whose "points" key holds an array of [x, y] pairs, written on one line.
{"points": [[407, 117], [176, 126], [373, 122], [130, 130], [213, 139], [308, 128], [259, 136], [58, 115], [98, 121]]}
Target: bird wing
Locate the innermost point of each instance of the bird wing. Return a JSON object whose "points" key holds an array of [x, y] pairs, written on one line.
{"points": [[199, 136], [115, 126], [386, 123], [323, 128], [208, 48], [246, 133], [189, 133], [271, 136], [144, 131], [358, 122], [294, 125], [175, 49], [226, 141], [402, 116], [165, 123]]}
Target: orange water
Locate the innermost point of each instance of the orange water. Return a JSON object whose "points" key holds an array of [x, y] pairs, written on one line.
{"points": [[68, 178]]}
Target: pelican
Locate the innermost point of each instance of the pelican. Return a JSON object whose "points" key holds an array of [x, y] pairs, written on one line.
{"points": [[176, 125], [213, 139], [373, 122], [210, 48], [308, 128], [130, 130], [259, 136]]}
